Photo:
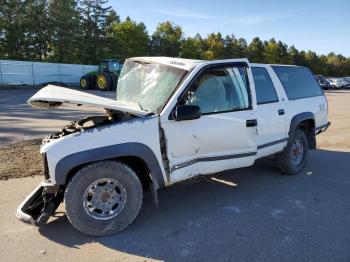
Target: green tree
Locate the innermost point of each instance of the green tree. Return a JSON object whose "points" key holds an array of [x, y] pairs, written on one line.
{"points": [[35, 26], [255, 51], [192, 47], [166, 40], [235, 48], [64, 27], [109, 48], [93, 14], [130, 38], [295, 57], [274, 51], [12, 29], [213, 47]]}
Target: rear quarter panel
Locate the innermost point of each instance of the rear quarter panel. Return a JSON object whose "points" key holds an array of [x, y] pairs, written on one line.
{"points": [[317, 105]]}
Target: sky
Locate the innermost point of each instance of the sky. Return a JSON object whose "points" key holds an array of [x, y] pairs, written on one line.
{"points": [[322, 26]]}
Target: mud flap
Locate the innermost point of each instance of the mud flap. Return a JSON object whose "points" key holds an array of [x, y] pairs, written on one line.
{"points": [[154, 189], [40, 204]]}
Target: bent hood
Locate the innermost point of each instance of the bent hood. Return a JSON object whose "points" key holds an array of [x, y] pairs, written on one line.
{"points": [[53, 96]]}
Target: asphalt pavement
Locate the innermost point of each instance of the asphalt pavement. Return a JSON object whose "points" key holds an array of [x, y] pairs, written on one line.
{"points": [[20, 121], [250, 214]]}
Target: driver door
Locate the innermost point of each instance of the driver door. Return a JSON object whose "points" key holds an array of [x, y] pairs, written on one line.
{"points": [[224, 136]]}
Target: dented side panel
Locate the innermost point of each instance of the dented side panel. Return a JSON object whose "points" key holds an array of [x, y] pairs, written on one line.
{"points": [[209, 144]]}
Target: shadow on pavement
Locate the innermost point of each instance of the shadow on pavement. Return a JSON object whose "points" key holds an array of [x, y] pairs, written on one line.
{"points": [[250, 214]]}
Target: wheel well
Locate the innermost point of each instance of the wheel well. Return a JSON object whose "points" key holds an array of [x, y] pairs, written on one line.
{"points": [[135, 163], [140, 168], [308, 126]]}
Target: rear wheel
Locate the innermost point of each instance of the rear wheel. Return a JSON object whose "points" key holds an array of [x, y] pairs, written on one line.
{"points": [[85, 82], [114, 82], [104, 82], [93, 81], [293, 159], [103, 198]]}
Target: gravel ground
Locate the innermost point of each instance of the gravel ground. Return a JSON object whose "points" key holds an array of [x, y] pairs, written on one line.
{"points": [[21, 159]]}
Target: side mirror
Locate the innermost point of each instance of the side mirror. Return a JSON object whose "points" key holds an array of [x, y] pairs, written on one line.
{"points": [[186, 112]]}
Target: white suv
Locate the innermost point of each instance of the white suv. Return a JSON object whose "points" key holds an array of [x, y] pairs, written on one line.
{"points": [[173, 119]]}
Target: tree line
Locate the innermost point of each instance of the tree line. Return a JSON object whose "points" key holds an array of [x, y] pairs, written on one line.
{"points": [[84, 31]]}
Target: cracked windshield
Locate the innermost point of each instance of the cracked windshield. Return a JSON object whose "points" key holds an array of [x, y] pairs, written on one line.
{"points": [[147, 84]]}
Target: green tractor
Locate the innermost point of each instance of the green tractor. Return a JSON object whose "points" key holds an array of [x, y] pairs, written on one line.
{"points": [[105, 79]]}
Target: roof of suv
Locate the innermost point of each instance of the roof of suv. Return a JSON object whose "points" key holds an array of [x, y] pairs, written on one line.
{"points": [[189, 64], [182, 63]]}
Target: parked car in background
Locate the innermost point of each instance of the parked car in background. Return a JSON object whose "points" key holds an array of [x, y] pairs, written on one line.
{"points": [[335, 82], [323, 82], [346, 82]]}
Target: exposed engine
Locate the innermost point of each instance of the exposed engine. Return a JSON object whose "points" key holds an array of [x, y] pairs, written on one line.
{"points": [[89, 122]]}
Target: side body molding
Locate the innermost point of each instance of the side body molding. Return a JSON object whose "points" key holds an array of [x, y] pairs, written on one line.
{"points": [[296, 120], [66, 164]]}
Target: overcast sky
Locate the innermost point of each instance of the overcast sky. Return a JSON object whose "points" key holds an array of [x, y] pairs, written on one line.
{"points": [[322, 26]]}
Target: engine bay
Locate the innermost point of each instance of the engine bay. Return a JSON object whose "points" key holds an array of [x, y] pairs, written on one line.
{"points": [[111, 117]]}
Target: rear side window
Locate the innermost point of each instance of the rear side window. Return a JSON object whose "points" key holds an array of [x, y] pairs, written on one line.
{"points": [[298, 82], [264, 88]]}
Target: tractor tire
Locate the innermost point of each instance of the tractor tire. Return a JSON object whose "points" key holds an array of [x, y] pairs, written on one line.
{"points": [[114, 82], [104, 82], [93, 81], [85, 82]]}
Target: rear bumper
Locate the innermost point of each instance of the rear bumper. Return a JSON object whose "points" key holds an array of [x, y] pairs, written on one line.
{"points": [[37, 204]]}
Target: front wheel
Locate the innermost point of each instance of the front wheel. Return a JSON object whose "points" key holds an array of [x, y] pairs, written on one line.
{"points": [[103, 198], [293, 159]]}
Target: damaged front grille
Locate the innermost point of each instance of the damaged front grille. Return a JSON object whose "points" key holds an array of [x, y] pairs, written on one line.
{"points": [[45, 166]]}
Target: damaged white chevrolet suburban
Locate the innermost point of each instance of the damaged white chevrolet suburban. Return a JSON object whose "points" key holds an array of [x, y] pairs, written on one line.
{"points": [[172, 119]]}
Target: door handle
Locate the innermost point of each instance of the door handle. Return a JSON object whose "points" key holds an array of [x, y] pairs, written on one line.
{"points": [[251, 123], [280, 112]]}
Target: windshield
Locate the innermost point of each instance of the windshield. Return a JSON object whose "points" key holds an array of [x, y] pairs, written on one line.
{"points": [[148, 84]]}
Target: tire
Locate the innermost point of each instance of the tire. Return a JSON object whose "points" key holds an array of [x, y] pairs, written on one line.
{"points": [[287, 161], [114, 82], [93, 81], [104, 81], [85, 82], [87, 219]]}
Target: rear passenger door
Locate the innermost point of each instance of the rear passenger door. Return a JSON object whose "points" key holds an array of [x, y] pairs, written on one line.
{"points": [[270, 114]]}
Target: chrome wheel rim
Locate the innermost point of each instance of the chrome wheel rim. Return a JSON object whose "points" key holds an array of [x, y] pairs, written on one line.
{"points": [[297, 152], [104, 199]]}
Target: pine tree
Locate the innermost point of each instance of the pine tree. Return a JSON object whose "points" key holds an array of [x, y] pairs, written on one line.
{"points": [[255, 51], [35, 25], [166, 40], [130, 39], [12, 33], [93, 18], [64, 29]]}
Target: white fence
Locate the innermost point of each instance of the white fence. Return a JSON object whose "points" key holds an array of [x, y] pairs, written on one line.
{"points": [[34, 73]]}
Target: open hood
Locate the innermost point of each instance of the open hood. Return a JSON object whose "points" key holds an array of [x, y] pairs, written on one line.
{"points": [[53, 96]]}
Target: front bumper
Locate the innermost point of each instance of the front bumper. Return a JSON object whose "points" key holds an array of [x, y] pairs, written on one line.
{"points": [[40, 204]]}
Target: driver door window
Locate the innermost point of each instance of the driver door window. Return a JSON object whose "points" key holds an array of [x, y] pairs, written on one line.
{"points": [[219, 90]]}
